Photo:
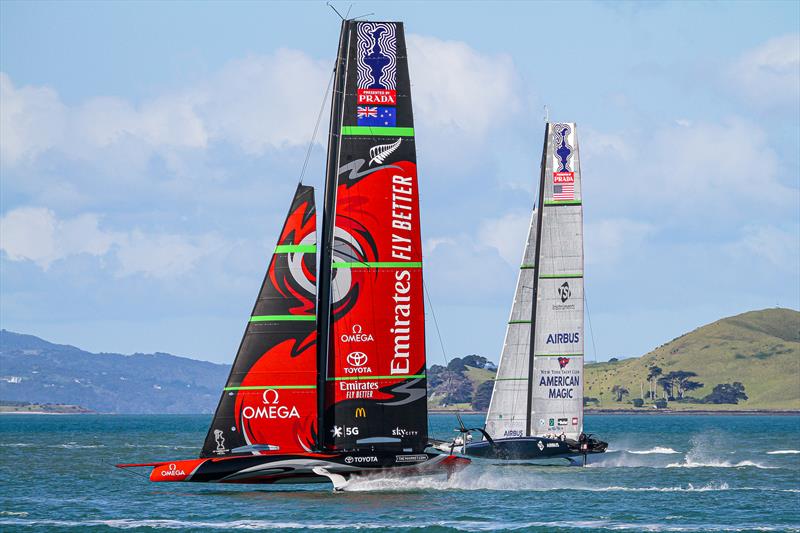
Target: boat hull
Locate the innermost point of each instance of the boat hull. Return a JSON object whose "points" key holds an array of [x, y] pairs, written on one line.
{"points": [[528, 448], [300, 468]]}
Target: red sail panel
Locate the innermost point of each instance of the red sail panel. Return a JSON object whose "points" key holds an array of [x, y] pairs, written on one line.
{"points": [[376, 389], [270, 400]]}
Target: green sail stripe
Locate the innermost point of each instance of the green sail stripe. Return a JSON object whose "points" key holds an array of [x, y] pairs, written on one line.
{"points": [[519, 321], [367, 378], [509, 379], [525, 267], [284, 248], [377, 264], [559, 276], [558, 355], [265, 387], [283, 318], [372, 131], [562, 202]]}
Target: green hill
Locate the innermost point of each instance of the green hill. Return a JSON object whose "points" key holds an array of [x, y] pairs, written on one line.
{"points": [[760, 349]]}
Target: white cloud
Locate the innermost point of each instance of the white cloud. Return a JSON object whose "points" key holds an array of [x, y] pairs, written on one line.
{"points": [[164, 255], [606, 240], [769, 75], [702, 169], [32, 119], [255, 103], [596, 143], [768, 245], [457, 88], [36, 234], [507, 235], [267, 101]]}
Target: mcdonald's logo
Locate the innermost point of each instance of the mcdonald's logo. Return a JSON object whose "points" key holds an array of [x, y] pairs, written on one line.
{"points": [[361, 412]]}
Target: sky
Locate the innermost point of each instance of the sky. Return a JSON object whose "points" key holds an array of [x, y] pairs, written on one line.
{"points": [[149, 151]]}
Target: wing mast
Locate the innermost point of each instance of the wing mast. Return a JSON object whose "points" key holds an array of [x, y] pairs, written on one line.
{"points": [[328, 223]]}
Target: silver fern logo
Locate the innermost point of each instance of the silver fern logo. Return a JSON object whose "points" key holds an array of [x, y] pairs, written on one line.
{"points": [[378, 154]]}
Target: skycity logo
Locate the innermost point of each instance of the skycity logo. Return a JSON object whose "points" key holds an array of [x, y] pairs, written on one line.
{"points": [[401, 432], [270, 409]]}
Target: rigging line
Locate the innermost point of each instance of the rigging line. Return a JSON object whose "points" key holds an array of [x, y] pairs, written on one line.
{"points": [[129, 471], [316, 127], [589, 316], [336, 10], [441, 345]]}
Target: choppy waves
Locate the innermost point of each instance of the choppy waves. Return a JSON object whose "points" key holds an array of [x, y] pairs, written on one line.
{"points": [[454, 525]]}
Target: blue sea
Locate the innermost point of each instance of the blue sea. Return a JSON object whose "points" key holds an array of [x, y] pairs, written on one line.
{"points": [[661, 473]]}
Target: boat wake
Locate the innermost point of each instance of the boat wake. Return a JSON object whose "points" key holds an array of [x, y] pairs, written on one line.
{"points": [[655, 450], [718, 464], [496, 481], [783, 452]]}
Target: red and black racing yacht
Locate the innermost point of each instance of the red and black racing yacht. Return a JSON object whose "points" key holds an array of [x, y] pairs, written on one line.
{"points": [[329, 380]]}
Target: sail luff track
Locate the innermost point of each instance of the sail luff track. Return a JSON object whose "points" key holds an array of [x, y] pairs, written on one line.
{"points": [[328, 224]]}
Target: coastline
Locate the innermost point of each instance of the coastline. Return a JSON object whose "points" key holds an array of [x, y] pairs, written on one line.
{"points": [[731, 412], [666, 412]]}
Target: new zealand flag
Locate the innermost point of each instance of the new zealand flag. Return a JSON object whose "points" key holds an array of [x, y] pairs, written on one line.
{"points": [[377, 116]]}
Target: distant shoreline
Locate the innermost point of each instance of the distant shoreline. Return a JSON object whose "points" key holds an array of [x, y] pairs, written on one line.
{"points": [[689, 412]]}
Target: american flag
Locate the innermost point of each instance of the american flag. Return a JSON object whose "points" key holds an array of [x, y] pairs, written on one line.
{"points": [[564, 191], [364, 112]]}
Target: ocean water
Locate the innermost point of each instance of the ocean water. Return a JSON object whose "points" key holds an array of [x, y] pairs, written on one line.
{"points": [[662, 473]]}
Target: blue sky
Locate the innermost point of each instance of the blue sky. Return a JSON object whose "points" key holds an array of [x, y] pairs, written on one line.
{"points": [[149, 151]]}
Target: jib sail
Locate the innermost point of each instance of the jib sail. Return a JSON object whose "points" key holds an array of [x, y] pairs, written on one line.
{"points": [[557, 388], [375, 366], [507, 415], [270, 399]]}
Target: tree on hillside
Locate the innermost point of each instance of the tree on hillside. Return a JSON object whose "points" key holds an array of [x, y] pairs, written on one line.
{"points": [[456, 365], [689, 386], [482, 397], [476, 361], [680, 380], [666, 384], [652, 377], [727, 393], [619, 391]]}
